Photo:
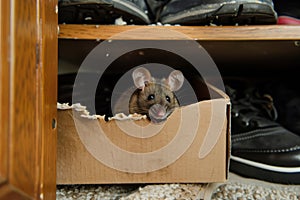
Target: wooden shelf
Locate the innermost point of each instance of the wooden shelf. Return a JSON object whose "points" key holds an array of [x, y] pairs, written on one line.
{"points": [[215, 33]]}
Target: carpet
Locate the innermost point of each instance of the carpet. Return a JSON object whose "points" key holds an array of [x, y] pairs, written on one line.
{"points": [[236, 187]]}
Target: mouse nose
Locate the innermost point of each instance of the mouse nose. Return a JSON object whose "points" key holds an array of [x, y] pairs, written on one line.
{"points": [[157, 111]]}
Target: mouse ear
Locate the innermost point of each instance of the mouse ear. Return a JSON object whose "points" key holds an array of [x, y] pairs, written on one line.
{"points": [[140, 76], [175, 80]]}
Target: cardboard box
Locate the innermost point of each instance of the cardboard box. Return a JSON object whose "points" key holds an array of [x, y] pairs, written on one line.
{"points": [[192, 146]]}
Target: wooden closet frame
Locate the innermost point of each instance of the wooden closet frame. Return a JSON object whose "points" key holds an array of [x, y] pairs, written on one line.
{"points": [[28, 93], [28, 86]]}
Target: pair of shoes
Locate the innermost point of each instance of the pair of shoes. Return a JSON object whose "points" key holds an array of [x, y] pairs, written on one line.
{"points": [[219, 12], [288, 11], [183, 12], [261, 147]]}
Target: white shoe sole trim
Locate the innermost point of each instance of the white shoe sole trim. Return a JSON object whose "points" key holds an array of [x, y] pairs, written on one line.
{"points": [[267, 167]]}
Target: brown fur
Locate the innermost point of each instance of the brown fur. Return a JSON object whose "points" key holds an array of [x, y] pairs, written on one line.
{"points": [[140, 104], [154, 98]]}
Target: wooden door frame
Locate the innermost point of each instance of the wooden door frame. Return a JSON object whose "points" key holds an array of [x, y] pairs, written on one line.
{"points": [[28, 93]]}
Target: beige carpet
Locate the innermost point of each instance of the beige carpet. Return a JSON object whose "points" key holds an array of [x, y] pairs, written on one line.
{"points": [[235, 188]]}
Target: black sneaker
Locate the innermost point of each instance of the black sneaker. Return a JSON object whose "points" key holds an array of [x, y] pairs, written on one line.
{"points": [[219, 12], [261, 148], [288, 11], [102, 11]]}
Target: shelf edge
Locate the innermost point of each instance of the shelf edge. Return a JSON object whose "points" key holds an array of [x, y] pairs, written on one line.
{"points": [[138, 32]]}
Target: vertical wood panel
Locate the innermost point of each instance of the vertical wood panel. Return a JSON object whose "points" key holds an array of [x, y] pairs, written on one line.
{"points": [[28, 75], [4, 89], [48, 67], [23, 161]]}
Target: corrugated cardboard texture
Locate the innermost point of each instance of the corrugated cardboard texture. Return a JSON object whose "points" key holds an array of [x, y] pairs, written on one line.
{"points": [[76, 165]]}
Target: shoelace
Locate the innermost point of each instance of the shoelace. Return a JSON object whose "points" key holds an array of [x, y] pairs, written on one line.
{"points": [[252, 106]]}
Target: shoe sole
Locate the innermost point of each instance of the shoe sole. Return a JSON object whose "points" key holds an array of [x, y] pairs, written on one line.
{"points": [[227, 13], [275, 174], [100, 12]]}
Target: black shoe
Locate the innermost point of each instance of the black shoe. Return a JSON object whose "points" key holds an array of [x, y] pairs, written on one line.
{"points": [[261, 148], [219, 12], [102, 11], [288, 11], [287, 101]]}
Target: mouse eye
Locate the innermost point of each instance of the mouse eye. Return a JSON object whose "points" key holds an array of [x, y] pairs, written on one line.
{"points": [[168, 99], [151, 97]]}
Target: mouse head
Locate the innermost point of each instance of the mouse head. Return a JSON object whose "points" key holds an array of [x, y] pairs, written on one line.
{"points": [[155, 98]]}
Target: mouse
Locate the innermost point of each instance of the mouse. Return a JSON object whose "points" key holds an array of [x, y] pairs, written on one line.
{"points": [[153, 97]]}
